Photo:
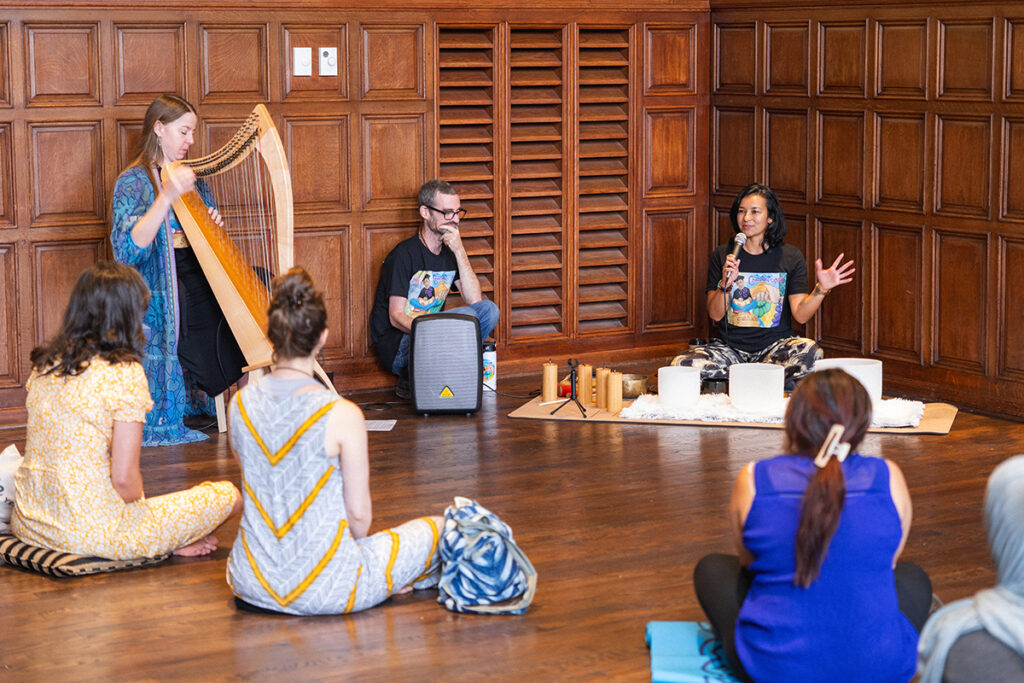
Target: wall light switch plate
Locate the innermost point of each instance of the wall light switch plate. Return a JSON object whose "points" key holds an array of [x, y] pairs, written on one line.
{"points": [[302, 61], [328, 61]]}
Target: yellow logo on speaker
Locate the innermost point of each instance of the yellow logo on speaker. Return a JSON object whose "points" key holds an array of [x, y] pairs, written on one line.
{"points": [[447, 393]]}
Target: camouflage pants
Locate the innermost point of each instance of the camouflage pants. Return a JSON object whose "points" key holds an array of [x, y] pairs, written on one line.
{"points": [[796, 354]]}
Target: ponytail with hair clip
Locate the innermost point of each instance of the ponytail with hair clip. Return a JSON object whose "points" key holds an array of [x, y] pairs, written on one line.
{"points": [[832, 446]]}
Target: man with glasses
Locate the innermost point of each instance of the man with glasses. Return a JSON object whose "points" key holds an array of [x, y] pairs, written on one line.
{"points": [[417, 276]]}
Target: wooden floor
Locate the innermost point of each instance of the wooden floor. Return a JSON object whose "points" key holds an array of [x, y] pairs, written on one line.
{"points": [[613, 516]]}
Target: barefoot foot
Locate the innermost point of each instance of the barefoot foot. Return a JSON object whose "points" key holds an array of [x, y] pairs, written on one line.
{"points": [[204, 546]]}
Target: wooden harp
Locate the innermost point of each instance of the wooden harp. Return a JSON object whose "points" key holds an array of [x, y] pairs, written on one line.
{"points": [[251, 186]]}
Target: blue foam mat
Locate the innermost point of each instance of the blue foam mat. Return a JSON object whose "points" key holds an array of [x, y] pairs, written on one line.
{"points": [[686, 652]]}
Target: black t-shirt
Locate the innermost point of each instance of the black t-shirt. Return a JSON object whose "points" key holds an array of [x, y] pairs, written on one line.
{"points": [[757, 305], [416, 274]]}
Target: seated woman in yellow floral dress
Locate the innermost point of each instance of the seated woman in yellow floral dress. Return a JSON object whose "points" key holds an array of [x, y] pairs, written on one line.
{"points": [[79, 488]]}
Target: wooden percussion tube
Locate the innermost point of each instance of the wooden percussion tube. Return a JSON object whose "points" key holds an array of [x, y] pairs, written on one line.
{"points": [[602, 388], [614, 392], [585, 385], [549, 383]]}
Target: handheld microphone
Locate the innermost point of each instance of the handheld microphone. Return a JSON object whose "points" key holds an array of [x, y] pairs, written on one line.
{"points": [[739, 240]]}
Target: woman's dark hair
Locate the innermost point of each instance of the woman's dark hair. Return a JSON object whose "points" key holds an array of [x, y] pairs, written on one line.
{"points": [[165, 109], [103, 318], [297, 316], [821, 400], [777, 228]]}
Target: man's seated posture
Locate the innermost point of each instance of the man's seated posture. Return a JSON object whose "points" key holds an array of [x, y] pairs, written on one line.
{"points": [[417, 276]]}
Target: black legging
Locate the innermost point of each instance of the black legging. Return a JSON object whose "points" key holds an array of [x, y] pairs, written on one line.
{"points": [[721, 584]]}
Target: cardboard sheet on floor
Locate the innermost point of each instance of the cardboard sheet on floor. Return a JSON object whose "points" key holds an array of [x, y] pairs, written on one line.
{"points": [[938, 418]]}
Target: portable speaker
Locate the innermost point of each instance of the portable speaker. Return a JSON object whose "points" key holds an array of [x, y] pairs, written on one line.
{"points": [[445, 363]]}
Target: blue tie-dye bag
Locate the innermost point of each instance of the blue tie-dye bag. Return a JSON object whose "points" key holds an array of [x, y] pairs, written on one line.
{"points": [[481, 565]]}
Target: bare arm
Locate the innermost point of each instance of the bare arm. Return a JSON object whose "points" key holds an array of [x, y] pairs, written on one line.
{"points": [[124, 460], [739, 506], [718, 298], [469, 285], [397, 315], [347, 429], [901, 499], [804, 306]]}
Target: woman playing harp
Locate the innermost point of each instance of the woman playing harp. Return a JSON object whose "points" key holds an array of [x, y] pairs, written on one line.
{"points": [[190, 352]]}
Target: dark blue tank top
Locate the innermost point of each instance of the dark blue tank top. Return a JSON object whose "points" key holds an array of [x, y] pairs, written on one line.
{"points": [[846, 626]]}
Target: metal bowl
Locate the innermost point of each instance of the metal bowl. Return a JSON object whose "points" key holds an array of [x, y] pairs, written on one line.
{"points": [[633, 385]]}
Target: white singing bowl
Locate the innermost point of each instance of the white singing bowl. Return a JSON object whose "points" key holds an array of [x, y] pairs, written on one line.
{"points": [[678, 386], [756, 386], [866, 370]]}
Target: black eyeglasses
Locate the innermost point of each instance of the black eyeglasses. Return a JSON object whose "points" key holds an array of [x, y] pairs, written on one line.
{"points": [[448, 214]]}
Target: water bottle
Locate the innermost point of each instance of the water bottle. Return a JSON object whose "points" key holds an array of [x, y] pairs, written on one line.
{"points": [[490, 366]]}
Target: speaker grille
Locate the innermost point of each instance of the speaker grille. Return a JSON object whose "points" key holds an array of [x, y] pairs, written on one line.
{"points": [[445, 363]]}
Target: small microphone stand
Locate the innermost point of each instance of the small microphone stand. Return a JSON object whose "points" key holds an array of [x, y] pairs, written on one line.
{"points": [[573, 364]]}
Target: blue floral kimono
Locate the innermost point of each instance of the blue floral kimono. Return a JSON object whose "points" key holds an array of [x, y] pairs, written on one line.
{"points": [[173, 399]]}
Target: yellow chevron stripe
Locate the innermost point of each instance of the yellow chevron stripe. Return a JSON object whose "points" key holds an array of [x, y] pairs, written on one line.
{"points": [[352, 596], [391, 560], [294, 593], [433, 548], [295, 516], [276, 457]]}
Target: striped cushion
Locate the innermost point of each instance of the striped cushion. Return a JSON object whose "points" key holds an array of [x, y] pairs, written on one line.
{"points": [[56, 563]]}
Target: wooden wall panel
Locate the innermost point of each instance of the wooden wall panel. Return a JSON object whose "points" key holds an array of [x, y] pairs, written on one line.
{"points": [[127, 135], [316, 88], [735, 69], [378, 240], [5, 66], [786, 133], [55, 269], [1013, 81], [669, 171], [668, 237], [8, 189], [325, 255], [842, 59], [901, 64], [840, 158], [1011, 179], [670, 60], [962, 168], [62, 64], [150, 61], [961, 301], [899, 162], [233, 63], [786, 67], [318, 148], [735, 151], [1011, 351], [841, 326], [898, 313], [965, 59], [67, 173], [10, 355], [394, 160], [392, 62]]}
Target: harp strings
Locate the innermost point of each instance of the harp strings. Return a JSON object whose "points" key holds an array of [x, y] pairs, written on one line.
{"points": [[245, 200]]}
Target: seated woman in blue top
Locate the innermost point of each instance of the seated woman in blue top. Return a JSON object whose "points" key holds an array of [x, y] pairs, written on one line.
{"points": [[816, 593]]}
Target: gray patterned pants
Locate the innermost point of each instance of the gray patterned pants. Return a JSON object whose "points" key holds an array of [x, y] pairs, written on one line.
{"points": [[796, 354]]}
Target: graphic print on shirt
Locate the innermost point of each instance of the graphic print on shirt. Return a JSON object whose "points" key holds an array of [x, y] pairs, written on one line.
{"points": [[427, 291], [756, 300]]}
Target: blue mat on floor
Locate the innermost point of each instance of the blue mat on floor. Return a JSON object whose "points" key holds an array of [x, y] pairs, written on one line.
{"points": [[686, 652]]}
